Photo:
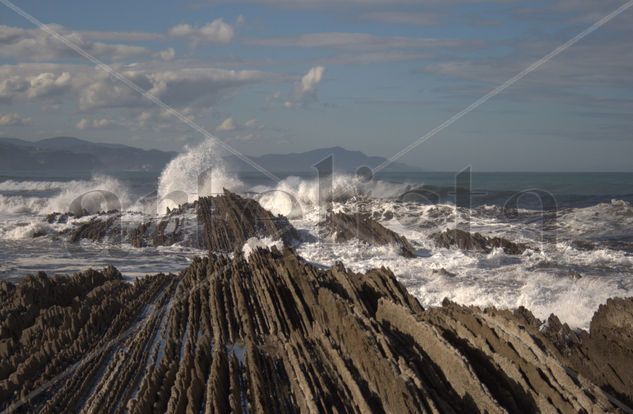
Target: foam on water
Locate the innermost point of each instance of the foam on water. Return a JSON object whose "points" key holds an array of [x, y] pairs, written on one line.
{"points": [[544, 279], [13, 185], [101, 193]]}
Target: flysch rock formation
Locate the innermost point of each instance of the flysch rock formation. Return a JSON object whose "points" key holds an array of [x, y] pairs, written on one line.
{"points": [[221, 223], [342, 227], [475, 242], [271, 333]]}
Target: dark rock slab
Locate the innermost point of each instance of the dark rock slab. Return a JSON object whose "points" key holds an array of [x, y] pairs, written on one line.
{"points": [[342, 227], [475, 242]]}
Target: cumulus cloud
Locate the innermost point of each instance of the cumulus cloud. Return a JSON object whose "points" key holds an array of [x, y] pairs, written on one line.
{"points": [[49, 84], [217, 32], [43, 85], [227, 125], [230, 124], [13, 120], [38, 45], [306, 90], [167, 54], [101, 123]]}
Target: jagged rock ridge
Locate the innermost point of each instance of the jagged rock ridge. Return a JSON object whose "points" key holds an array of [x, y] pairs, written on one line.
{"points": [[342, 227], [475, 241], [221, 223], [272, 333]]}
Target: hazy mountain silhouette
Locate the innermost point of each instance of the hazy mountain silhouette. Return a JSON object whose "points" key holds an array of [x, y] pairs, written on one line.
{"points": [[74, 154], [342, 160]]}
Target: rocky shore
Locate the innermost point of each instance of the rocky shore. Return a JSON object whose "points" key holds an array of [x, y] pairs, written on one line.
{"points": [[265, 331]]}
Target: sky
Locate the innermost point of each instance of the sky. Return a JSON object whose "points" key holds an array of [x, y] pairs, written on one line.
{"points": [[280, 76]]}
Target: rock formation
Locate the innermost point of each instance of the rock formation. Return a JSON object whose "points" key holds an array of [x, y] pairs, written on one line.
{"points": [[342, 227], [272, 333], [222, 224], [475, 241]]}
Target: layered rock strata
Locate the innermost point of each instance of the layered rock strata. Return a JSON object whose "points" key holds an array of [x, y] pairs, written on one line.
{"points": [[475, 241], [342, 227], [272, 333], [221, 223]]}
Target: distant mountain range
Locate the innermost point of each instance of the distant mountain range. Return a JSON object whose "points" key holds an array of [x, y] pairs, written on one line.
{"points": [[74, 154], [342, 160]]}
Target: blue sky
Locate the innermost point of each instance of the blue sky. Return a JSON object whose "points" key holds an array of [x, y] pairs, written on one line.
{"points": [[373, 75]]}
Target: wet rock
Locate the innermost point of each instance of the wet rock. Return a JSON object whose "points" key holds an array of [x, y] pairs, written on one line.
{"points": [[222, 223], [229, 220], [272, 333], [475, 242], [444, 272], [342, 227]]}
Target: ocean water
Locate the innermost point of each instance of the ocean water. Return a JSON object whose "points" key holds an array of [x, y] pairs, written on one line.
{"points": [[579, 227]]}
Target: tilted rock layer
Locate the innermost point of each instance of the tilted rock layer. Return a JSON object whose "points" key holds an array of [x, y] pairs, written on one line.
{"points": [[342, 227], [221, 223], [271, 333], [475, 241]]}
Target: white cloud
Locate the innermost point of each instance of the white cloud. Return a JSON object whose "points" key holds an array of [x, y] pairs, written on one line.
{"points": [[168, 54], [251, 123], [38, 45], [42, 85], [102, 123], [217, 32], [49, 84], [306, 90], [13, 120], [230, 124], [180, 88], [311, 79], [227, 125]]}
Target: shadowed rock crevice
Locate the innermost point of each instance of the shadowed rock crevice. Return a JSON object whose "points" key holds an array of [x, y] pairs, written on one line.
{"points": [[272, 333]]}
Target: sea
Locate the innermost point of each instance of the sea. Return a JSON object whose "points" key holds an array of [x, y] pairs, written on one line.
{"points": [[578, 226]]}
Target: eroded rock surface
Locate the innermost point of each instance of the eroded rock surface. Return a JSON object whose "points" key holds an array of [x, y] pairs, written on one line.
{"points": [[605, 353], [221, 223], [342, 227], [272, 333], [475, 242]]}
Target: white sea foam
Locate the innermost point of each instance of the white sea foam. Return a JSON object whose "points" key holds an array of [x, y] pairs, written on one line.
{"points": [[101, 193], [198, 171], [295, 196], [13, 185], [254, 243]]}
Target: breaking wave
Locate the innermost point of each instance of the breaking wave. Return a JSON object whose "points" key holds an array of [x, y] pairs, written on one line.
{"points": [[101, 193], [198, 171]]}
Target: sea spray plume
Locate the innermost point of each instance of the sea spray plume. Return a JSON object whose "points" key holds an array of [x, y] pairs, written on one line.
{"points": [[198, 171], [294, 190]]}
